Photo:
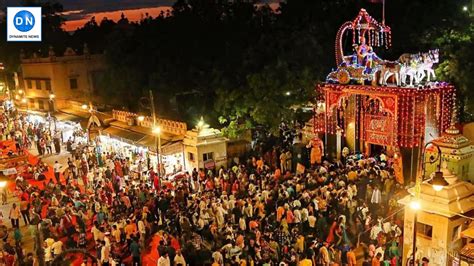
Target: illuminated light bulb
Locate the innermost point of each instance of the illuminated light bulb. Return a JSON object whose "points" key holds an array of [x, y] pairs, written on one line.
{"points": [[415, 205]]}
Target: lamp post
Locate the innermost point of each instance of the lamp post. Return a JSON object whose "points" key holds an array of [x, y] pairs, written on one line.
{"points": [[51, 109], [438, 182], [415, 206], [157, 132]]}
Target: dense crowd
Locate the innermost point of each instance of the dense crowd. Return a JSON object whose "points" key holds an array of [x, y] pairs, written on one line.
{"points": [[259, 212]]}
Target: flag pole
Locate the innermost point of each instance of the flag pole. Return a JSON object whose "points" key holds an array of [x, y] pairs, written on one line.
{"points": [[383, 12]]}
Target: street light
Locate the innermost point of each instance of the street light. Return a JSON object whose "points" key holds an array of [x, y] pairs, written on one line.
{"points": [[141, 118], [52, 96], [465, 9], [415, 206], [23, 100], [84, 106], [438, 182]]}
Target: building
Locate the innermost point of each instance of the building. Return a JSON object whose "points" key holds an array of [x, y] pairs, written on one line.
{"points": [[180, 149], [442, 216], [50, 83], [457, 151], [205, 148]]}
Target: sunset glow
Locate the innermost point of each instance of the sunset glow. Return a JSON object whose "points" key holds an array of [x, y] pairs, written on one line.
{"points": [[131, 15]]}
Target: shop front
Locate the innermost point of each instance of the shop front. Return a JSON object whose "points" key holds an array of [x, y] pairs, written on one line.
{"points": [[69, 126], [123, 144], [173, 157]]}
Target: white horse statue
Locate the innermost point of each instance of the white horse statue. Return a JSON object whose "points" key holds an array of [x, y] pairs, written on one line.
{"points": [[428, 60]]}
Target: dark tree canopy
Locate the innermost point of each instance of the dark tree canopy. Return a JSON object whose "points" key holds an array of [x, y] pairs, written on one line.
{"points": [[242, 65]]}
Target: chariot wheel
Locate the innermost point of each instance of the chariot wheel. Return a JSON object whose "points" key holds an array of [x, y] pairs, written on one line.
{"points": [[343, 77]]}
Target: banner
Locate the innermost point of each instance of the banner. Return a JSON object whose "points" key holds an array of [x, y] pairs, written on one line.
{"points": [[379, 130]]}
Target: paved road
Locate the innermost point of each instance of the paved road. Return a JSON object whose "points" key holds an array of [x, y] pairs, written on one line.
{"points": [[28, 241]]}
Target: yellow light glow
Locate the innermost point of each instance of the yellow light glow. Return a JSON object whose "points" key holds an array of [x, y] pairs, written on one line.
{"points": [[84, 106], [20, 91], [200, 123], [415, 205], [23, 100], [437, 187], [141, 118], [3, 184], [52, 96], [157, 130]]}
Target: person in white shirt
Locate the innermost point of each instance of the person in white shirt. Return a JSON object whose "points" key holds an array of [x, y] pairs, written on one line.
{"points": [[142, 231], [218, 258], [312, 221], [164, 260], [57, 248], [105, 254], [57, 171], [179, 259]]}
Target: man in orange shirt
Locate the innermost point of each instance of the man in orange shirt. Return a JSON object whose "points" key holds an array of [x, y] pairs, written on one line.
{"points": [[351, 257], [130, 229], [376, 260], [280, 212]]}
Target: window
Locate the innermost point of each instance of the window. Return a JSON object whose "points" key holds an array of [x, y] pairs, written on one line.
{"points": [[207, 156], [73, 84], [191, 156], [29, 84], [48, 84], [38, 84], [40, 105], [424, 229]]}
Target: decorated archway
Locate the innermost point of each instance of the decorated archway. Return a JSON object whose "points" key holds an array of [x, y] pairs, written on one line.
{"points": [[361, 105]]}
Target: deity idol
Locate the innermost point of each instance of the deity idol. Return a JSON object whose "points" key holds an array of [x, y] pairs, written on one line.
{"points": [[362, 51], [317, 150]]}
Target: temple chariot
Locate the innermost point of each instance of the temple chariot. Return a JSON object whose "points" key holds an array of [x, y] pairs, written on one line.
{"points": [[371, 105]]}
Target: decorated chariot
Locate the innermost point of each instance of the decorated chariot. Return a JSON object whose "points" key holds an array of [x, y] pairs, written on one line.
{"points": [[364, 66], [372, 105]]}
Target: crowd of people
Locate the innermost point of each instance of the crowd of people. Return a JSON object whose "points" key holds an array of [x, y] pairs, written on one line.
{"points": [[258, 212]]}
